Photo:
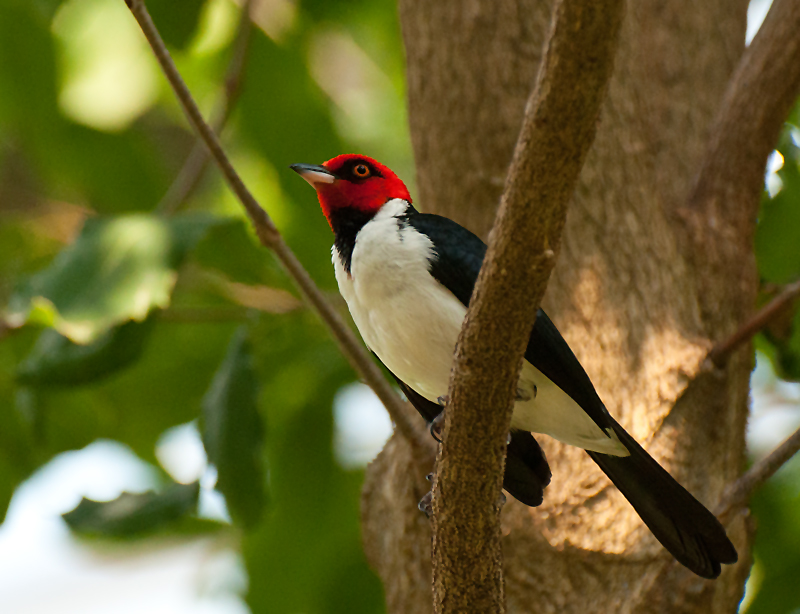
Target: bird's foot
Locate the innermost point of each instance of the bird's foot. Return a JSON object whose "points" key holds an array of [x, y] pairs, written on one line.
{"points": [[425, 504], [527, 393], [443, 400], [501, 500], [437, 427]]}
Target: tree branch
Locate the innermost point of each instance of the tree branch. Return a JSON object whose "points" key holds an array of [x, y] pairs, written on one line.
{"points": [[195, 165], [739, 493], [557, 132], [721, 352], [722, 208], [756, 104], [270, 237]]}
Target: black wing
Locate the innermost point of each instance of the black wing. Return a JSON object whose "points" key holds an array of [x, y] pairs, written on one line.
{"points": [[680, 522], [459, 255]]}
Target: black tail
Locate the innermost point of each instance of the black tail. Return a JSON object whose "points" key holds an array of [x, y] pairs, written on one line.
{"points": [[527, 472], [679, 521], [690, 532]]}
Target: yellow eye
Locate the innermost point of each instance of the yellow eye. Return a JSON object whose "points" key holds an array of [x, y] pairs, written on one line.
{"points": [[361, 171]]}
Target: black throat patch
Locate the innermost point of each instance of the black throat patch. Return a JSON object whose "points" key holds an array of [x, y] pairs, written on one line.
{"points": [[346, 224]]}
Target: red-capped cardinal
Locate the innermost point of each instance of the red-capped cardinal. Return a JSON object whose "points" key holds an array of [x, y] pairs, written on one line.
{"points": [[407, 278]]}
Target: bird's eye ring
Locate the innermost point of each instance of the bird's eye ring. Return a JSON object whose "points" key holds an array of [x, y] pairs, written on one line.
{"points": [[361, 171]]}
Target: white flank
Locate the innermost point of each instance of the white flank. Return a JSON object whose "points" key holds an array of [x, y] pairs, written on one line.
{"points": [[411, 322]]}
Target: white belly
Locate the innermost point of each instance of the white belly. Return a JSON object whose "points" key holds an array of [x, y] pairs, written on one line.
{"points": [[412, 323], [404, 315]]}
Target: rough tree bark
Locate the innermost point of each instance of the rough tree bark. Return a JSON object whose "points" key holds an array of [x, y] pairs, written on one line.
{"points": [[632, 293]]}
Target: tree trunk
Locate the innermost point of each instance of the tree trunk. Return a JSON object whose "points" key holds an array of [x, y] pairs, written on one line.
{"points": [[627, 294]]}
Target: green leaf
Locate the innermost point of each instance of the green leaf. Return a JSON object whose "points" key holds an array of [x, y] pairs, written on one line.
{"points": [[134, 514], [777, 244], [233, 433], [55, 360], [118, 269], [162, 389]]}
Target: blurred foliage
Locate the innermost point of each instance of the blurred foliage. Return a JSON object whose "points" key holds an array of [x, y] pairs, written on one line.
{"points": [[776, 239], [778, 251], [116, 320], [777, 548], [130, 515], [56, 360], [775, 506], [233, 432], [121, 324], [117, 270]]}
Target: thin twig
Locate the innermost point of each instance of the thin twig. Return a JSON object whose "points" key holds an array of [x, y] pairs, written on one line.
{"points": [[721, 352], [270, 237], [738, 494], [195, 165]]}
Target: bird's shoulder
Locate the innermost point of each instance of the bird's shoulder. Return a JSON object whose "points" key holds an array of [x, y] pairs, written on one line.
{"points": [[459, 256], [457, 252]]}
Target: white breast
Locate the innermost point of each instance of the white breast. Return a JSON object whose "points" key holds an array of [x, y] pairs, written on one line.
{"points": [[412, 323], [404, 315]]}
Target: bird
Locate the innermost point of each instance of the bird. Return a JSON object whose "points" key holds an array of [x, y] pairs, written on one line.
{"points": [[407, 278]]}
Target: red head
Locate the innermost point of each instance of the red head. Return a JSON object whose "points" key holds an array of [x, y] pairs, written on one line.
{"points": [[352, 182]]}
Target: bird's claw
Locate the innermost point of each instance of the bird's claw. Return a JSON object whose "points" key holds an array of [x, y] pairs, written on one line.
{"points": [[425, 504], [501, 500], [437, 427]]}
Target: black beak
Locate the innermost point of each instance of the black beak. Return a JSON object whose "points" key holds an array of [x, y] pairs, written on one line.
{"points": [[313, 174]]}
